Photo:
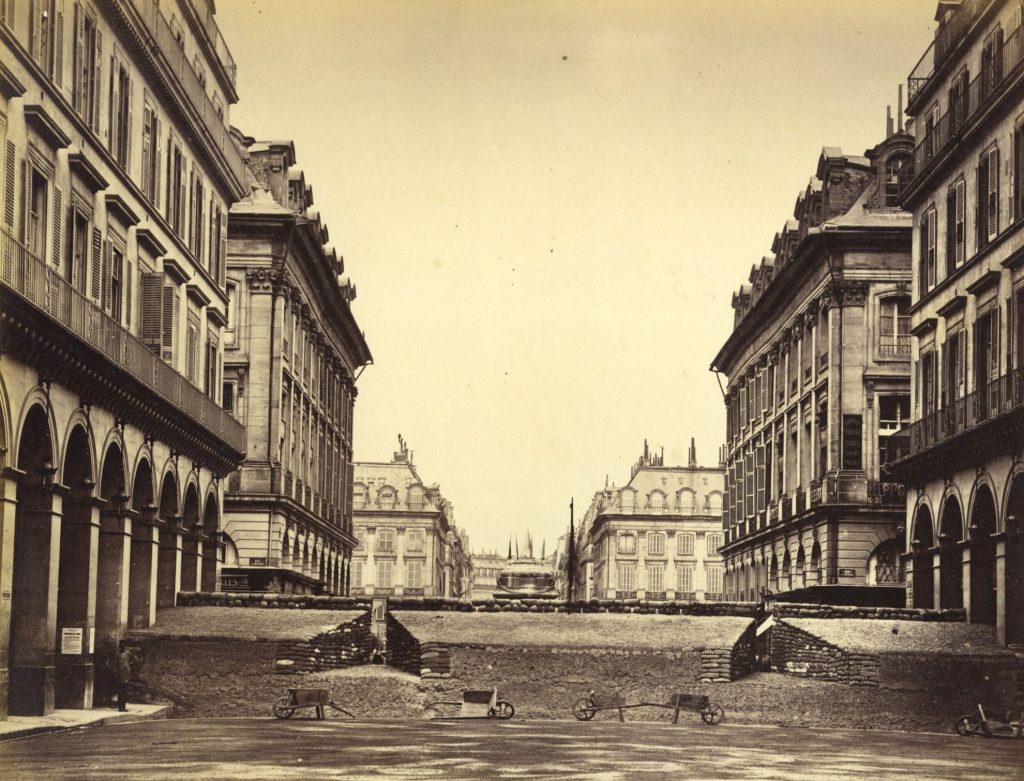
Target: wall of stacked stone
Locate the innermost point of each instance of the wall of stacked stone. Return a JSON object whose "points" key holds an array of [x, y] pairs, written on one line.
{"points": [[741, 660], [797, 610], [544, 682], [323, 602], [347, 645], [404, 651]]}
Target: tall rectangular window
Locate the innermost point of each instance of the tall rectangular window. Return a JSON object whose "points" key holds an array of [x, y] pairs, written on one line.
{"points": [[88, 54], [356, 573], [894, 327], [414, 539], [627, 577], [684, 578], [684, 544], [120, 112], [37, 214], [385, 540], [714, 578], [956, 233], [385, 573], [928, 383], [1018, 172], [988, 197], [656, 578], [656, 544], [414, 574], [927, 241], [151, 155]]}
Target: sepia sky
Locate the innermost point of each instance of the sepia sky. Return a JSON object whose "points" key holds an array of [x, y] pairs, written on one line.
{"points": [[546, 207]]}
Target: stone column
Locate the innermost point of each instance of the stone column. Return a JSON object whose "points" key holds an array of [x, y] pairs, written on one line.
{"points": [[34, 617], [936, 577], [169, 562], [641, 565], [8, 508], [966, 581], [113, 579], [613, 567], [191, 559], [671, 576], [76, 598], [145, 549], [1001, 586]]}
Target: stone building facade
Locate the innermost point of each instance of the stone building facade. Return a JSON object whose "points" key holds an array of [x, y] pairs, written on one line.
{"points": [[655, 538], [407, 541], [818, 379], [118, 169], [292, 349], [965, 468], [486, 568]]}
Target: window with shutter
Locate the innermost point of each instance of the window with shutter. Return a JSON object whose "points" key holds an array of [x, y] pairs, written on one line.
{"points": [[58, 43], [106, 301], [191, 350], [748, 475], [760, 479], [129, 283], [992, 204], [931, 220], [10, 164], [916, 372], [152, 310], [58, 225], [228, 397], [95, 266], [169, 319], [1018, 172]]}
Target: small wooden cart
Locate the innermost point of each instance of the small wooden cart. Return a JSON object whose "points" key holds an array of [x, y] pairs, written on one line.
{"points": [[479, 704], [587, 707], [297, 698]]}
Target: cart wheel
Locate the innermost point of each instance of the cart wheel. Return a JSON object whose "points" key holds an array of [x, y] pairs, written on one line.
{"points": [[283, 708], [503, 709], [584, 709], [712, 714], [967, 726]]}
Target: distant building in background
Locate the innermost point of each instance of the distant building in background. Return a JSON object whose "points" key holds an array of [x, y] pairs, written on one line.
{"points": [[965, 466], [407, 541], [486, 568], [655, 538], [292, 350], [818, 365]]}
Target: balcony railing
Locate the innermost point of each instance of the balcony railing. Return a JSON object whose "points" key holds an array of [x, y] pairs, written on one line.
{"points": [[982, 90], [43, 286], [173, 55], [996, 397], [946, 38], [801, 501], [625, 595], [886, 493]]}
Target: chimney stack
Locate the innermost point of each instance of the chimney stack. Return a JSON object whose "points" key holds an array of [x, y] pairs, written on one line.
{"points": [[899, 108], [693, 454], [888, 121]]}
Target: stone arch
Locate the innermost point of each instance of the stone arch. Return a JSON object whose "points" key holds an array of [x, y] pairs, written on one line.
{"points": [[885, 565], [191, 544], [922, 539], [774, 572], [79, 433], [801, 576], [31, 643], [951, 570], [213, 542], [144, 547], [169, 557], [78, 565], [816, 560], [1013, 523], [787, 570], [982, 524]]}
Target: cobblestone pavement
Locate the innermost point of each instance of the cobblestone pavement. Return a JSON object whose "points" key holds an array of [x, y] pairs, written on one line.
{"points": [[256, 749]]}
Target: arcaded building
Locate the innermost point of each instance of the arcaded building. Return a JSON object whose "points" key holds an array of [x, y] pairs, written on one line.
{"points": [[818, 367], [965, 467], [118, 170], [407, 543], [293, 350], [655, 538]]}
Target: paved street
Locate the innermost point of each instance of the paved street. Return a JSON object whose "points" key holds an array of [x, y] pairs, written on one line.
{"points": [[256, 749]]}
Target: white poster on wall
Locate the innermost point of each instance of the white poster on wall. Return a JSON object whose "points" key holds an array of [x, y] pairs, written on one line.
{"points": [[71, 640]]}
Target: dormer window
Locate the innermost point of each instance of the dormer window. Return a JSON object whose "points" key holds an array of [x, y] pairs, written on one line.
{"points": [[898, 169]]}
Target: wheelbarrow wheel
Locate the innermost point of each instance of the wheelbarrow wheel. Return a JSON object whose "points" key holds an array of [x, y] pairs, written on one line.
{"points": [[712, 714], [584, 709], [967, 726], [503, 709], [283, 708]]}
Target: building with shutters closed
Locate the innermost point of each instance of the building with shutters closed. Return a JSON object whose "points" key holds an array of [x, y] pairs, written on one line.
{"points": [[408, 544], [292, 354], [965, 466], [655, 538], [117, 171], [818, 367]]}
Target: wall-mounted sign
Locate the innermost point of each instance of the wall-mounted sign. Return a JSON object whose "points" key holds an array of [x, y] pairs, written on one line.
{"points": [[847, 573], [71, 640], [257, 561]]}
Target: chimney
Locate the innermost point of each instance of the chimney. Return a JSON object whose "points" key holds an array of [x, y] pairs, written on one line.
{"points": [[899, 108], [693, 454], [888, 121]]}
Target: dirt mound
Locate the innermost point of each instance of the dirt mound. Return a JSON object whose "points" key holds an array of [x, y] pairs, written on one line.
{"points": [[373, 691]]}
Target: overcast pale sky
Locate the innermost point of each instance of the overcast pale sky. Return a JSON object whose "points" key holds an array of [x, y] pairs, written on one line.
{"points": [[546, 207]]}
